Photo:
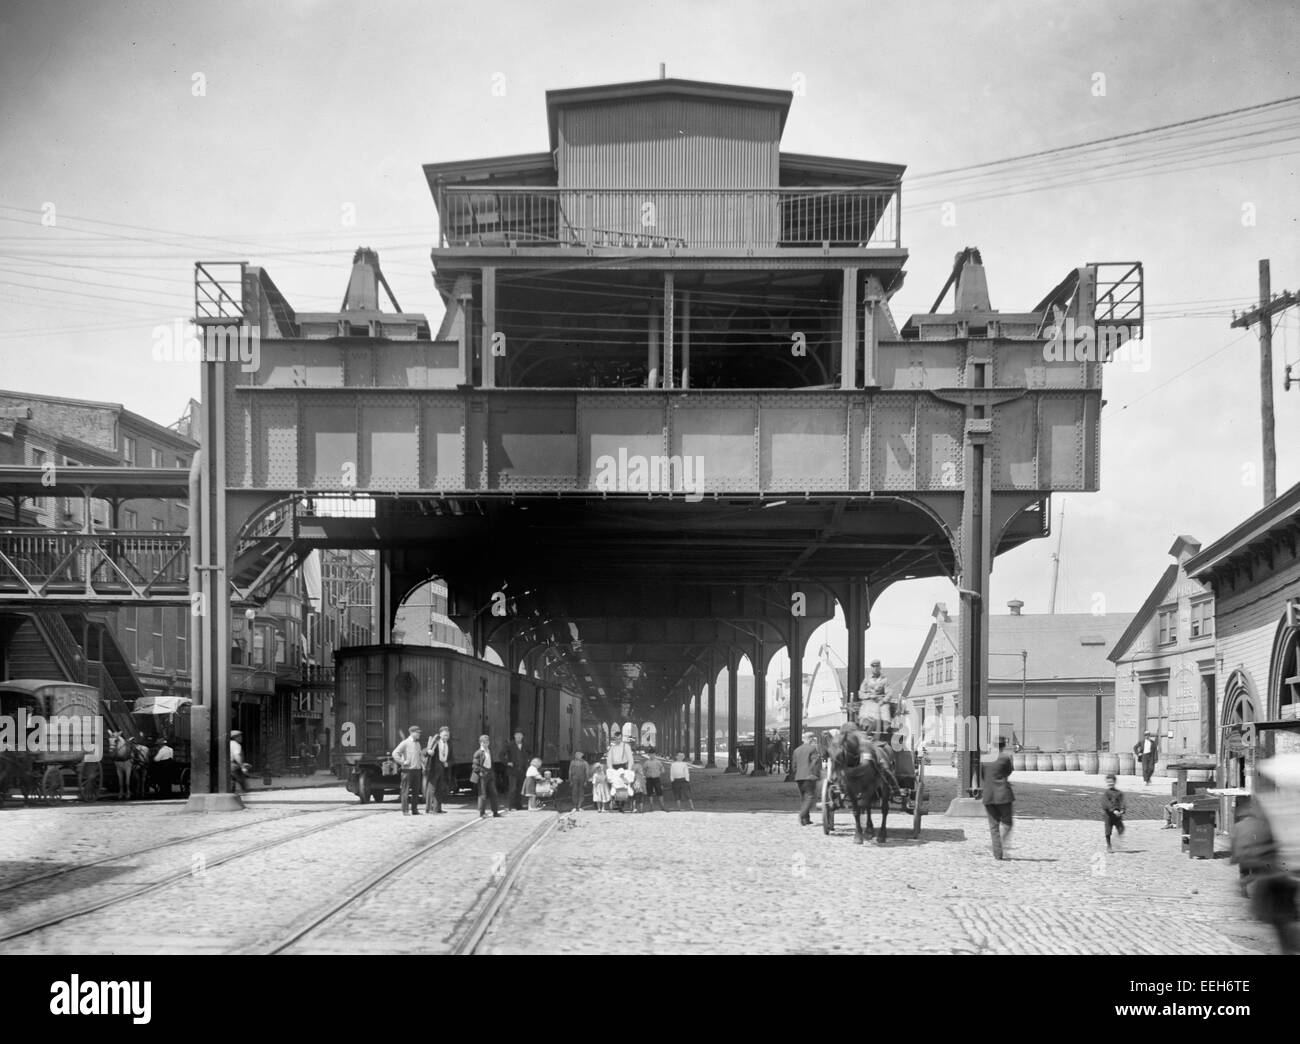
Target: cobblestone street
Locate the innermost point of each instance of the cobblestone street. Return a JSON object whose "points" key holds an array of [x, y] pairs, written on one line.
{"points": [[739, 875]]}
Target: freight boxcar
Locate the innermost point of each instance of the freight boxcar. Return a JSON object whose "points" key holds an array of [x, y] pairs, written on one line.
{"points": [[381, 690], [550, 719]]}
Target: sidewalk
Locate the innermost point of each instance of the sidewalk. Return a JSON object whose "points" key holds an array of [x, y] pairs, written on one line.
{"points": [[256, 784]]}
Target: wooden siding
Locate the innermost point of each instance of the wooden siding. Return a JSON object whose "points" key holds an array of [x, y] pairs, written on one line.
{"points": [[669, 143], [1246, 621]]}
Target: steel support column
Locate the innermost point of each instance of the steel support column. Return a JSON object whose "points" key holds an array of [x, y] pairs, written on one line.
{"points": [[695, 751], [489, 327], [849, 331], [731, 710], [977, 513], [210, 730], [668, 329], [711, 742], [795, 648], [759, 767], [855, 616]]}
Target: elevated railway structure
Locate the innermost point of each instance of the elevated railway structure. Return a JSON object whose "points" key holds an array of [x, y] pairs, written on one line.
{"points": [[668, 420]]}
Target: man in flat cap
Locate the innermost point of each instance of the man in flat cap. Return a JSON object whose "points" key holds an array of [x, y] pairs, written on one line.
{"points": [[409, 756]]}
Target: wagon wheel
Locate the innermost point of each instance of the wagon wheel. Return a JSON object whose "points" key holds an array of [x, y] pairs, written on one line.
{"points": [[185, 782], [52, 784], [88, 787], [828, 807], [363, 788], [918, 798]]}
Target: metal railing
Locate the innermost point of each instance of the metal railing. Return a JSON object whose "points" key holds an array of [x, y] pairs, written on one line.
{"points": [[861, 217], [219, 290], [65, 644], [39, 560]]}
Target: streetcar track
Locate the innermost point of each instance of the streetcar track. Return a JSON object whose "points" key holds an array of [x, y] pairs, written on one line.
{"points": [[363, 887], [469, 941], [60, 871], [158, 885]]}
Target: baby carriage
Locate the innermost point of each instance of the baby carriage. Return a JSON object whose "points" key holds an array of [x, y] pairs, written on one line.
{"points": [[544, 791], [621, 793]]}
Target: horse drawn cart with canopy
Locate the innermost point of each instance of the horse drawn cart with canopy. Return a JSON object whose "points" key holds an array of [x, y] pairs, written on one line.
{"points": [[164, 722], [875, 761], [53, 739]]}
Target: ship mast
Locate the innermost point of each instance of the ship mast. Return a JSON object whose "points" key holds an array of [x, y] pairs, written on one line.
{"points": [[1056, 560]]}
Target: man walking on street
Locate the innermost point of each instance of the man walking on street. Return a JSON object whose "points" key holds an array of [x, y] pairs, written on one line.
{"points": [[437, 771], [1147, 750], [998, 799], [807, 764], [409, 756], [516, 758], [578, 772], [482, 775]]}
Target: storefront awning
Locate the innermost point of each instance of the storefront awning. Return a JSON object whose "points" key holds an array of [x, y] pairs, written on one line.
{"points": [[160, 704]]}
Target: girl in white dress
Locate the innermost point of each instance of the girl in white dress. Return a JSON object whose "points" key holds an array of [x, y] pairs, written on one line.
{"points": [[599, 787]]}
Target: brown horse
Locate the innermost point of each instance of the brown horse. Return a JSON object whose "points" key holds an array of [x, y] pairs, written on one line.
{"points": [[854, 762]]}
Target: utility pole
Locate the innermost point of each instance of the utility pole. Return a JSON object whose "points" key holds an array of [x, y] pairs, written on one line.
{"points": [[1263, 315]]}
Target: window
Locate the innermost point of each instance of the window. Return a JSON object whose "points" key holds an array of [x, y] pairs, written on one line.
{"points": [[929, 672], [947, 669], [181, 462], [182, 638], [158, 656], [155, 458], [129, 616], [130, 520], [1202, 625], [1167, 624], [259, 647], [128, 450], [279, 647], [158, 525], [1155, 698]]}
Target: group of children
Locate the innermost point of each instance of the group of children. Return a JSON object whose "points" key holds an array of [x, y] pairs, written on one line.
{"points": [[626, 789]]}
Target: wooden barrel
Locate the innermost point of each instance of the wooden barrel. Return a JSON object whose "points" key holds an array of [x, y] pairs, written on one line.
{"points": [[1071, 762], [1044, 763], [1088, 763], [1058, 762], [1127, 764], [1018, 762], [1108, 764]]}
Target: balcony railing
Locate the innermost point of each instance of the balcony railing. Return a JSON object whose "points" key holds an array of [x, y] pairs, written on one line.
{"points": [[40, 562], [709, 219]]}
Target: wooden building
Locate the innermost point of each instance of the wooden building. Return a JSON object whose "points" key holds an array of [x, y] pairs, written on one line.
{"points": [[1254, 571]]}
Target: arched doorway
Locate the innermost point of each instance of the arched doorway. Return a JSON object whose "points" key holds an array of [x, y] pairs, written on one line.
{"points": [[1284, 675], [1240, 710]]}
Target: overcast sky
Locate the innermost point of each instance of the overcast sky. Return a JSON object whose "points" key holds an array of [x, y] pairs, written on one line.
{"points": [[138, 137]]}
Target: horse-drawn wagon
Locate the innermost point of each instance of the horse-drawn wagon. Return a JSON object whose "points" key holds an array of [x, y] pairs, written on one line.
{"points": [[50, 739], [866, 767]]}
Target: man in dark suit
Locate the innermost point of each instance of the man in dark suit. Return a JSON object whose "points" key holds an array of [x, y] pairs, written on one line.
{"points": [[806, 761], [483, 776], [1147, 750], [998, 798], [437, 772], [516, 757]]}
